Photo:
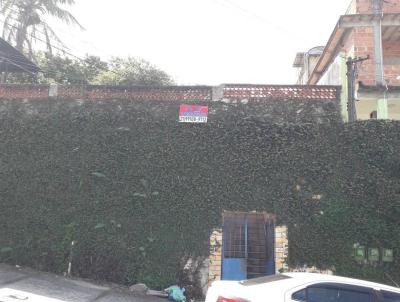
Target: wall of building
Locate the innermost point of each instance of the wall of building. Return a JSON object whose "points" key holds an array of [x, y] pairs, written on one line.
{"points": [[309, 63], [363, 39], [394, 109], [215, 268], [352, 9], [365, 108], [366, 7], [281, 249], [312, 61], [391, 60], [364, 45], [333, 76], [360, 43], [336, 75]]}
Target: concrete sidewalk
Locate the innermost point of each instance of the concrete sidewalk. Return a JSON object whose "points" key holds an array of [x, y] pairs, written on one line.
{"points": [[22, 284]]}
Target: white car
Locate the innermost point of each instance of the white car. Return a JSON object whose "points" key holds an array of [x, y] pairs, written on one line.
{"points": [[301, 287]]}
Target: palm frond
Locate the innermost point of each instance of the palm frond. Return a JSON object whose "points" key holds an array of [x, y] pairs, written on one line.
{"points": [[52, 35], [6, 5], [31, 16], [54, 10]]}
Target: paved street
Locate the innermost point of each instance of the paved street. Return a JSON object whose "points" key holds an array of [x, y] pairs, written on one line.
{"points": [[22, 284]]}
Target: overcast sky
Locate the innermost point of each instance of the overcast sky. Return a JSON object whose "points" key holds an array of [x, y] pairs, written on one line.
{"points": [[206, 41]]}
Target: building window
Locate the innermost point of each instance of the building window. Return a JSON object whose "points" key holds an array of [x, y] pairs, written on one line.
{"points": [[373, 115]]}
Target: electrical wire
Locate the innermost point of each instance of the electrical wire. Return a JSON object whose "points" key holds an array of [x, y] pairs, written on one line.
{"points": [[64, 51], [18, 65], [43, 41], [45, 71], [33, 34], [250, 14], [58, 48]]}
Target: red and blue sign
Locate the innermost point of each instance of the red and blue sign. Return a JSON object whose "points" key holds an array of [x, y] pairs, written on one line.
{"points": [[193, 114]]}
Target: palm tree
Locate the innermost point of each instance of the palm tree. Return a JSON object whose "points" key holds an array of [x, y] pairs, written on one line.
{"points": [[24, 21]]}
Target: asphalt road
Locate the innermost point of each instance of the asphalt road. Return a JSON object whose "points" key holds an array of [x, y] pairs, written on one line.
{"points": [[22, 284]]}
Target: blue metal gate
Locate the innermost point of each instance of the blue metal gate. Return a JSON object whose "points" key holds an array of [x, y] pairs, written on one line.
{"points": [[248, 249]]}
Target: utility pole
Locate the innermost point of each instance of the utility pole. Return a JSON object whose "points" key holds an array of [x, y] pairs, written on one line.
{"points": [[352, 73]]}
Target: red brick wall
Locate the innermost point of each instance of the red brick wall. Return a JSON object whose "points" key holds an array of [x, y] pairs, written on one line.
{"points": [[362, 41], [363, 46], [366, 7], [24, 91], [391, 55]]}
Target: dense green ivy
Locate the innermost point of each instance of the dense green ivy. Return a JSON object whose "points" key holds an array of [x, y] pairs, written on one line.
{"points": [[137, 192]]}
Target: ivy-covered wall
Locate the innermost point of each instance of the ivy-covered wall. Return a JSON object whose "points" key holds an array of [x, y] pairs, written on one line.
{"points": [[138, 192]]}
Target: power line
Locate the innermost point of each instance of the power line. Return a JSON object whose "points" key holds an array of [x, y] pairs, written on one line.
{"points": [[45, 71], [60, 43], [16, 60], [84, 41], [14, 18], [55, 47], [33, 34], [250, 14], [18, 65]]}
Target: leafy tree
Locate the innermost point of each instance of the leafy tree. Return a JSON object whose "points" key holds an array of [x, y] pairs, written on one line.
{"points": [[92, 70], [25, 18], [92, 67], [132, 71], [62, 70]]}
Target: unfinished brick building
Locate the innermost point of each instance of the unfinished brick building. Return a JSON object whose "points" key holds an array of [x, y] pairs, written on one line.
{"points": [[369, 29]]}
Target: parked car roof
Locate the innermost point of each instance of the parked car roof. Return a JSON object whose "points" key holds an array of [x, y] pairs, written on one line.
{"points": [[312, 277]]}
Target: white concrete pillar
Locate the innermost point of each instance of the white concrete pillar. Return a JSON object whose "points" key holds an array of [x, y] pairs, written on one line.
{"points": [[382, 109]]}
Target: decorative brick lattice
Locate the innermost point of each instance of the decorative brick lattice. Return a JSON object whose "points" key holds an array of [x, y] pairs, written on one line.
{"points": [[281, 92], [172, 93], [24, 91], [72, 91]]}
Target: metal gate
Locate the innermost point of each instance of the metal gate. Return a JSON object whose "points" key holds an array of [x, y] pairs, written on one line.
{"points": [[248, 249]]}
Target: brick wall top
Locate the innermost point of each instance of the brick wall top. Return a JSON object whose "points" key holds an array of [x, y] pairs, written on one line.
{"points": [[171, 93], [281, 91]]}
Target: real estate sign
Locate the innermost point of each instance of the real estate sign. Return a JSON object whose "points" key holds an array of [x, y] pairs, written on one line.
{"points": [[193, 114]]}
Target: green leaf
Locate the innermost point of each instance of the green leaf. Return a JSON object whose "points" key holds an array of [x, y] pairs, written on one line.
{"points": [[6, 250], [140, 195], [98, 174], [100, 226]]}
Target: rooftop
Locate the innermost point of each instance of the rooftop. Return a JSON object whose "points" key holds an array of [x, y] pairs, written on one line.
{"points": [[11, 60]]}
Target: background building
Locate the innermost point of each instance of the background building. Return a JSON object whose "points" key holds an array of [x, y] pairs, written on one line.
{"points": [[369, 29]]}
